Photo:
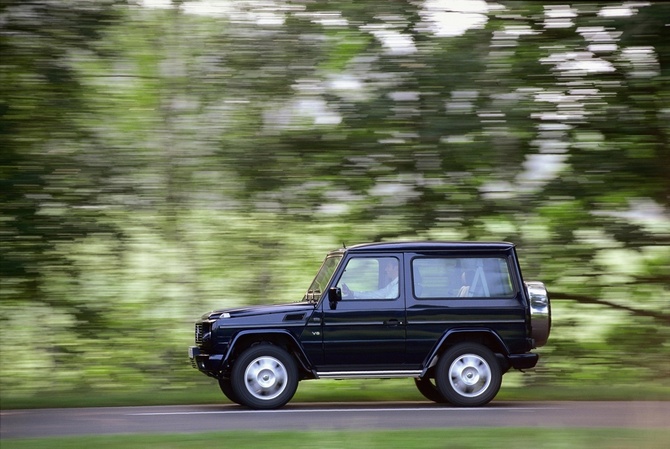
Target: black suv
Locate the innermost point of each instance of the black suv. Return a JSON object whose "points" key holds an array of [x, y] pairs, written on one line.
{"points": [[455, 316]]}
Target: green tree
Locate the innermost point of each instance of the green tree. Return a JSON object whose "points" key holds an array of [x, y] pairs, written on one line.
{"points": [[156, 163]]}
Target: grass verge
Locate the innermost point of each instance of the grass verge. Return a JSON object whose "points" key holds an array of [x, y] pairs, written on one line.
{"points": [[498, 438]]}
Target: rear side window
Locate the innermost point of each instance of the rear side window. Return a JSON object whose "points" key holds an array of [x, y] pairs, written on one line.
{"points": [[461, 277]]}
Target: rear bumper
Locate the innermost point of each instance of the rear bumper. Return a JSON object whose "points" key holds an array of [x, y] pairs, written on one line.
{"points": [[205, 363], [523, 361]]}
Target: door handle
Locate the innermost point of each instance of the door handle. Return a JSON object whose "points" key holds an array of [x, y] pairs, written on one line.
{"points": [[392, 322]]}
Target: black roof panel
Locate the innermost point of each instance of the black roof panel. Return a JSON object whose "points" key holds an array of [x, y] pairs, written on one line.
{"points": [[430, 246]]}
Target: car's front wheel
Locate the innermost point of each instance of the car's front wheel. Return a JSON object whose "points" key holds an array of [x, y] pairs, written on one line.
{"points": [[468, 375], [265, 376], [227, 390]]}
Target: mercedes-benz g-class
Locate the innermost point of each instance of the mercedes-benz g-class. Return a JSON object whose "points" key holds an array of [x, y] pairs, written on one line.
{"points": [[455, 316]]}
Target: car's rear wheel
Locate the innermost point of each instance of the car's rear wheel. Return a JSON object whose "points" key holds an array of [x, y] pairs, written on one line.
{"points": [[468, 375], [265, 376], [429, 390]]}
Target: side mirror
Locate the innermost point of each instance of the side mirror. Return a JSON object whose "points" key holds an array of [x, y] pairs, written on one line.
{"points": [[334, 296]]}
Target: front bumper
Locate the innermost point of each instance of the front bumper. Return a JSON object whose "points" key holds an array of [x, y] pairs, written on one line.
{"points": [[206, 363]]}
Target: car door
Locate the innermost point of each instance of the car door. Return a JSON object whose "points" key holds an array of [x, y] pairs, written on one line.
{"points": [[366, 329]]}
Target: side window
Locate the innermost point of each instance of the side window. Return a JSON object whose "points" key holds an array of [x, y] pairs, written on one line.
{"points": [[461, 277], [370, 278], [434, 278]]}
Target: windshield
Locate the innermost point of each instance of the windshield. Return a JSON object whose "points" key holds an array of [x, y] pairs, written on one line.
{"points": [[322, 278]]}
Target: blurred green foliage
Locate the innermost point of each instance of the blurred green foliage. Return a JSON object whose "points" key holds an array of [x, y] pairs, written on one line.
{"points": [[158, 162]]}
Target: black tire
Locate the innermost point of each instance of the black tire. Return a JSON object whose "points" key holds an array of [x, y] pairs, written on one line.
{"points": [[468, 375], [264, 377], [227, 390], [429, 390]]}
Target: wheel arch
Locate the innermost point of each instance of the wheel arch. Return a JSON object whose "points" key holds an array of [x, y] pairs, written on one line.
{"points": [[485, 337], [282, 338]]}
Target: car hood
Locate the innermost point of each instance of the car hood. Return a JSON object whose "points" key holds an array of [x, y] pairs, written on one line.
{"points": [[247, 311]]}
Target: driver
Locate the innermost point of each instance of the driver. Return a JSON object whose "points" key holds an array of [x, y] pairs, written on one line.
{"points": [[387, 292]]}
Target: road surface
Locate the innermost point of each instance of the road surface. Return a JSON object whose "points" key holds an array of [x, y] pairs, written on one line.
{"points": [[331, 416]]}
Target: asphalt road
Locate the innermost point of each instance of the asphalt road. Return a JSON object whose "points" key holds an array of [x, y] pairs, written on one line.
{"points": [[302, 416]]}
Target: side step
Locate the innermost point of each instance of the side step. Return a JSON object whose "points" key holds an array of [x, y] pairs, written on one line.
{"points": [[389, 374]]}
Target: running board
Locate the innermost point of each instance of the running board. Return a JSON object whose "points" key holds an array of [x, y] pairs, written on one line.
{"points": [[368, 374]]}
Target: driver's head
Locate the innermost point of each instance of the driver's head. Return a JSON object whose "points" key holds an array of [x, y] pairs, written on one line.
{"points": [[391, 268]]}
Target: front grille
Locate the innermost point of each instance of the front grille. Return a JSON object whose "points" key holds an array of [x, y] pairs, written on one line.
{"points": [[198, 333]]}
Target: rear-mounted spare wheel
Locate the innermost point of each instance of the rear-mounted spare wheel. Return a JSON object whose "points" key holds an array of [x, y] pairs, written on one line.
{"points": [[540, 312]]}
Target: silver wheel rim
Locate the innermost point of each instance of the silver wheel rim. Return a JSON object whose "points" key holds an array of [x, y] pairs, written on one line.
{"points": [[265, 378], [470, 375]]}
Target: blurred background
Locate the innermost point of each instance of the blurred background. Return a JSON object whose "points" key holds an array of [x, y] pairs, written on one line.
{"points": [[159, 159]]}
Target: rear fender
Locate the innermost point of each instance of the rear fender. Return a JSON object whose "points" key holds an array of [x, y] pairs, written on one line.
{"points": [[486, 337]]}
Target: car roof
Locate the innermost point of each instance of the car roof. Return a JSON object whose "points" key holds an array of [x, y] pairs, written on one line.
{"points": [[430, 246]]}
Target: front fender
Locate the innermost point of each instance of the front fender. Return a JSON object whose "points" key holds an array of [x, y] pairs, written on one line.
{"points": [[276, 336]]}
